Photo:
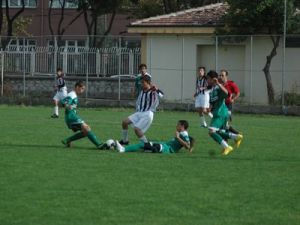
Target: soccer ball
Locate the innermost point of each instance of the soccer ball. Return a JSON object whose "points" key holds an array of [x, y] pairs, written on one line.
{"points": [[110, 143]]}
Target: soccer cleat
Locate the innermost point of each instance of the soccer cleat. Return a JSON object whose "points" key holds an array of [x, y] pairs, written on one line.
{"points": [[238, 140], [119, 147], [54, 116], [66, 144], [124, 142], [102, 146], [227, 150]]}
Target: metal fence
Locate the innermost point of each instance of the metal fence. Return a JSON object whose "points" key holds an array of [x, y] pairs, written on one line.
{"points": [[101, 62]]}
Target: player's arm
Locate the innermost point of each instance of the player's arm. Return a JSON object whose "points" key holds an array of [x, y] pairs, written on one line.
{"points": [[236, 93], [183, 142], [224, 90], [67, 103]]}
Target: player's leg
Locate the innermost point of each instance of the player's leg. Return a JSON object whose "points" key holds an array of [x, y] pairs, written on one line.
{"points": [[214, 128], [76, 127], [124, 133], [129, 148], [142, 125], [55, 109], [85, 128]]}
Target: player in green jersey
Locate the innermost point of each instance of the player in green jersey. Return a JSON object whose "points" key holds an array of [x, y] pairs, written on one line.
{"points": [[74, 122], [217, 128], [138, 79], [181, 139]]}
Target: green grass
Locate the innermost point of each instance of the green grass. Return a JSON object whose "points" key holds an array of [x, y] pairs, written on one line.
{"points": [[43, 183]]}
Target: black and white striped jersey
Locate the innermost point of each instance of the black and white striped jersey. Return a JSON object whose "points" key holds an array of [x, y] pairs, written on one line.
{"points": [[201, 85], [60, 84], [148, 100]]}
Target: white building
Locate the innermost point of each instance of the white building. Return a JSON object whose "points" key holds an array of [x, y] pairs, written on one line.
{"points": [[176, 44]]}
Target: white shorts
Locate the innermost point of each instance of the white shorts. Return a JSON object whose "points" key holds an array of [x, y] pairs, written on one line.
{"points": [[202, 100], [142, 120], [60, 95]]}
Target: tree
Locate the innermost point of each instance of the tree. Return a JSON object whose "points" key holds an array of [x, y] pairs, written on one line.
{"points": [[261, 17], [148, 8], [10, 21]]}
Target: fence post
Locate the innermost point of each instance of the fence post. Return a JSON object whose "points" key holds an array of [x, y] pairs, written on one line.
{"points": [[2, 72], [217, 52], [32, 64], [24, 68], [182, 69], [87, 74], [65, 60], [55, 56], [119, 69], [97, 62], [251, 69]]}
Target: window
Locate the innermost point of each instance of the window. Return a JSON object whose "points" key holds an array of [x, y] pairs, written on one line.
{"points": [[18, 44], [292, 42], [69, 4], [18, 3], [69, 45]]}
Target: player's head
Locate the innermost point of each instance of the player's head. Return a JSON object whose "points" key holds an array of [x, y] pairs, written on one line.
{"points": [[182, 125], [143, 68], [211, 77], [59, 72], [79, 87], [223, 76], [146, 81], [201, 71]]}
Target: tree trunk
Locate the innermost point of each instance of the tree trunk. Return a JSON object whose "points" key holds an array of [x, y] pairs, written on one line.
{"points": [[266, 69]]}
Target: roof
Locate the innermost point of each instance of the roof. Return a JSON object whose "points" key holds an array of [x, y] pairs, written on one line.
{"points": [[205, 16]]}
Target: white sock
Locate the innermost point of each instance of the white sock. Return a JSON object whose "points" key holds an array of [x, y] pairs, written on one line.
{"points": [[232, 135], [55, 111], [202, 121], [124, 135], [224, 144], [210, 115], [144, 139]]}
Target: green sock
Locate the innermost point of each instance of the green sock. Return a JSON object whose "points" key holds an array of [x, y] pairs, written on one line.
{"points": [[134, 148], [217, 137], [75, 137], [224, 135], [93, 138]]}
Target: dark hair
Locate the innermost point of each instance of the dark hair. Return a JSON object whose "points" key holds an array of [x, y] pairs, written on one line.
{"points": [[142, 65], [184, 123], [212, 74], [79, 83], [201, 67], [146, 78], [59, 69]]}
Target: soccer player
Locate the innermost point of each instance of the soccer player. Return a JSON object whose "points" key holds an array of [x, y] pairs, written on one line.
{"points": [[74, 122], [217, 128], [233, 94], [61, 91], [138, 79], [181, 139], [202, 96], [146, 104]]}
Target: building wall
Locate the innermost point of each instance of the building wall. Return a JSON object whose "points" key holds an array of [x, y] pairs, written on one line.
{"points": [[173, 59]]}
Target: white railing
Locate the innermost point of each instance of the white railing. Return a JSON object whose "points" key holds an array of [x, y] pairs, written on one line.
{"points": [[74, 61]]}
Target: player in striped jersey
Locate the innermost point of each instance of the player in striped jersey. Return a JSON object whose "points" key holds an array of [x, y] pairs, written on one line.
{"points": [[181, 139], [61, 91], [73, 120], [202, 96], [146, 104]]}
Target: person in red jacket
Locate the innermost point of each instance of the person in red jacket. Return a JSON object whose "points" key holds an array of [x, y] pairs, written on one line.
{"points": [[233, 94]]}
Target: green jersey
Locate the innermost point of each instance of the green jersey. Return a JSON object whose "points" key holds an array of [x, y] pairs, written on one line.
{"points": [[217, 100], [71, 117], [138, 84], [173, 146]]}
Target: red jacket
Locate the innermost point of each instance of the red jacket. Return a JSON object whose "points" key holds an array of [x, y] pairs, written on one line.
{"points": [[232, 88]]}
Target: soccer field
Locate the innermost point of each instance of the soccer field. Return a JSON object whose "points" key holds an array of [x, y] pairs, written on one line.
{"points": [[44, 183]]}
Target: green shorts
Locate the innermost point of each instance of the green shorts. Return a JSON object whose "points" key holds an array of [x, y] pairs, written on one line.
{"points": [[219, 122], [73, 121], [166, 148]]}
